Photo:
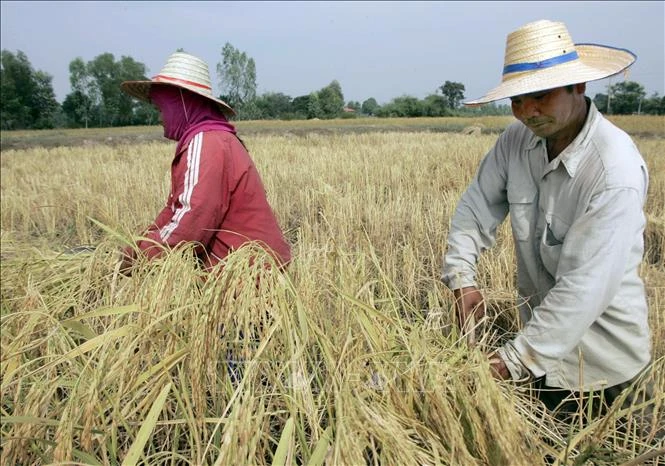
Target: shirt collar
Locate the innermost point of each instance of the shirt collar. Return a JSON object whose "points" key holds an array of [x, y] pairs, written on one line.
{"points": [[575, 152]]}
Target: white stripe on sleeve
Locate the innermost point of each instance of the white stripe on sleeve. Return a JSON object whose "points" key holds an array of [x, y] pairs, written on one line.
{"points": [[191, 179]]}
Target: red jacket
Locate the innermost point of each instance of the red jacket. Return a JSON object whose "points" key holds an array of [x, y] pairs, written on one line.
{"points": [[218, 200]]}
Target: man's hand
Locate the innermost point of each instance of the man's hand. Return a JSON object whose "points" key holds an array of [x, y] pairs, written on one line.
{"points": [[498, 367], [127, 257], [470, 306]]}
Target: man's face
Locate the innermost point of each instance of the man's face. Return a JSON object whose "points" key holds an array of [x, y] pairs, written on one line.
{"points": [[548, 113]]}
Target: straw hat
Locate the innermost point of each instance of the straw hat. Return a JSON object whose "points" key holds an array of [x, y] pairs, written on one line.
{"points": [[541, 55], [181, 70]]}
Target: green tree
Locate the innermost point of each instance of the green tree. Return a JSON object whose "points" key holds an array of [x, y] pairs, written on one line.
{"points": [[103, 71], [79, 105], [404, 106], [16, 86], [490, 109], [300, 107], [237, 77], [314, 106], [27, 100], [453, 93], [626, 97], [145, 114], [435, 105], [370, 106], [600, 101], [96, 98], [493, 109], [331, 100], [131, 111], [44, 105], [251, 111], [274, 105], [654, 105]]}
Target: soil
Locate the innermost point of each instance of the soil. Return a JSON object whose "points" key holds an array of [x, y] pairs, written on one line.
{"points": [[121, 136]]}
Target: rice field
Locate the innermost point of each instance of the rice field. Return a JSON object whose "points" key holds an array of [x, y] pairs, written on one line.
{"points": [[350, 358]]}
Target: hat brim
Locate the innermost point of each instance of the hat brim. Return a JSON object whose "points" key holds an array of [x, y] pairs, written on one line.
{"points": [[594, 62], [141, 91]]}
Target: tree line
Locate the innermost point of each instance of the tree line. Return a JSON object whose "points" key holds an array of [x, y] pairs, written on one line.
{"points": [[95, 99]]}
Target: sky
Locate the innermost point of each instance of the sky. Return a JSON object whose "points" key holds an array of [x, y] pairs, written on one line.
{"points": [[373, 49]]}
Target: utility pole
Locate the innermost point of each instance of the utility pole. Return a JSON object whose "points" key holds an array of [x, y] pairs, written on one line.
{"points": [[609, 94]]}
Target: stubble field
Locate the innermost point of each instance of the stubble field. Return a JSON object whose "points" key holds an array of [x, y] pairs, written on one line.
{"points": [[349, 358]]}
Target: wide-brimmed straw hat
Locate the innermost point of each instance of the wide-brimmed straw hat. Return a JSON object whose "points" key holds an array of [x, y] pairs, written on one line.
{"points": [[541, 55], [181, 70]]}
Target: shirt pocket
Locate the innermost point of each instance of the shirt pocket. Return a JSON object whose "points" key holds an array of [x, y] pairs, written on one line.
{"points": [[521, 200], [555, 230], [553, 236]]}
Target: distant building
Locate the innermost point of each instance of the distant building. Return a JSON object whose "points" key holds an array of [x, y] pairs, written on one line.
{"points": [[348, 110]]}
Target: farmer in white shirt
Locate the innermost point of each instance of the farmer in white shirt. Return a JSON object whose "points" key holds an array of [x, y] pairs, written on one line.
{"points": [[574, 185]]}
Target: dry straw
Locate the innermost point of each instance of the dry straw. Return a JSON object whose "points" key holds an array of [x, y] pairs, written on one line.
{"points": [[332, 363]]}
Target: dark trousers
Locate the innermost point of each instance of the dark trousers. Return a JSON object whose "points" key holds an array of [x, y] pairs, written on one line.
{"points": [[568, 405]]}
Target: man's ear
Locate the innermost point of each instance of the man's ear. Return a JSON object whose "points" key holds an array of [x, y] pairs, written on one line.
{"points": [[580, 88]]}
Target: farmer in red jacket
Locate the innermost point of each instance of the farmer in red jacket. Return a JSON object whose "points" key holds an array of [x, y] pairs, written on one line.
{"points": [[217, 198]]}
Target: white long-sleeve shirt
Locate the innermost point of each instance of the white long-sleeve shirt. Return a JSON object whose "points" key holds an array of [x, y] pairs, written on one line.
{"points": [[578, 224]]}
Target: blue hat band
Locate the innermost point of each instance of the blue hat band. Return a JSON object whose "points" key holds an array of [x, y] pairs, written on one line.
{"points": [[539, 65]]}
